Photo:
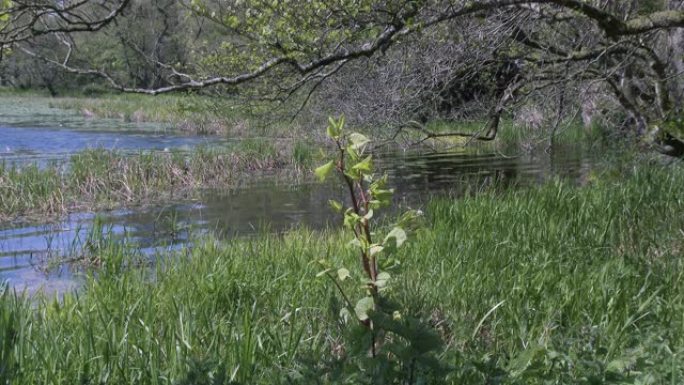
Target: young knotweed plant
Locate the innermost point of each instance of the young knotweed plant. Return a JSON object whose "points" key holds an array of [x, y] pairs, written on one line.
{"points": [[367, 195]]}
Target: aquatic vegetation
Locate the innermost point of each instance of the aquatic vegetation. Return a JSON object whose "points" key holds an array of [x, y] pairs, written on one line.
{"points": [[195, 114], [98, 178], [557, 284]]}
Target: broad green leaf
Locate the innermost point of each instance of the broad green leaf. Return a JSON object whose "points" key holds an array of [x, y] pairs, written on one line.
{"points": [[335, 127], [337, 206], [526, 360], [323, 171], [353, 175], [332, 132], [382, 279], [358, 140], [622, 364], [343, 274], [383, 196], [351, 219], [375, 249], [365, 166], [369, 214], [363, 307], [399, 236], [353, 153]]}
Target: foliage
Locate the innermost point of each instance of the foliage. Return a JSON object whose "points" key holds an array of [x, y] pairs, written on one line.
{"points": [[388, 62], [561, 284], [387, 345]]}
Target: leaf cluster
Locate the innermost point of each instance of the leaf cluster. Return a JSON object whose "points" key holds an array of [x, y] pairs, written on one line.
{"points": [[387, 346]]}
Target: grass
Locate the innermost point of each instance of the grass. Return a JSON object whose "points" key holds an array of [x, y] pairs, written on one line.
{"points": [[196, 114], [95, 179], [193, 114], [558, 284], [188, 113]]}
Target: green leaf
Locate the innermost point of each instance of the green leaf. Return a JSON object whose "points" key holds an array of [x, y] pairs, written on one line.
{"points": [[323, 272], [399, 236], [351, 219], [358, 140], [323, 171], [526, 360], [382, 279], [337, 206], [353, 154], [343, 274], [365, 166], [622, 364], [374, 249], [383, 196], [363, 307], [332, 133], [334, 128]]}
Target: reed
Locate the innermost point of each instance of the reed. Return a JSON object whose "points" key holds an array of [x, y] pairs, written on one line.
{"points": [[97, 178]]}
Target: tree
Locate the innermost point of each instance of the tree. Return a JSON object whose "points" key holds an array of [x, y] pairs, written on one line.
{"points": [[24, 20], [628, 52]]}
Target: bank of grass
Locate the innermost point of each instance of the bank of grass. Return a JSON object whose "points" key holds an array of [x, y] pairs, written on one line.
{"points": [[559, 284], [101, 179], [196, 114]]}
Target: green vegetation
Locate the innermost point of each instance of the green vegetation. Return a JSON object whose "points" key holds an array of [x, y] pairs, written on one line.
{"points": [[104, 179], [194, 114], [197, 114], [387, 345], [552, 285], [201, 114], [559, 284]]}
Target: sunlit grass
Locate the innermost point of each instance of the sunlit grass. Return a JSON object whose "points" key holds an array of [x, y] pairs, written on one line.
{"points": [[558, 284]]}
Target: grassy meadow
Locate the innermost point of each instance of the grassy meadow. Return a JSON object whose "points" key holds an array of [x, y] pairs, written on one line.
{"points": [[551, 285]]}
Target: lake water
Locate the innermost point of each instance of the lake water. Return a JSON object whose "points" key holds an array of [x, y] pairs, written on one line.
{"points": [[32, 131], [262, 205]]}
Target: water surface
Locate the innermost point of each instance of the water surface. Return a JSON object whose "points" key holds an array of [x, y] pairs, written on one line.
{"points": [[266, 206], [32, 131]]}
